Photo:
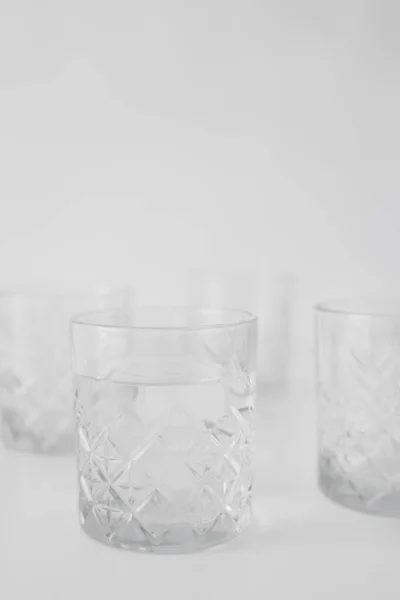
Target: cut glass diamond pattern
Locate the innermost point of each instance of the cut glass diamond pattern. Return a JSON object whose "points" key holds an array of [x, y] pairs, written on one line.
{"points": [[150, 482], [36, 417], [359, 416]]}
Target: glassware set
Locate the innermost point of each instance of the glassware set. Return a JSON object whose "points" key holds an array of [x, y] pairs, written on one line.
{"points": [[162, 407]]}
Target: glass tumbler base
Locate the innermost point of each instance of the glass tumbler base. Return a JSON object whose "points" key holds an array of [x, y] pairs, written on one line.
{"points": [[180, 538], [384, 502]]}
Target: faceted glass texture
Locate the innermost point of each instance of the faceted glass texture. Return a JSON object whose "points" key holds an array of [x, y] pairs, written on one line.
{"points": [[165, 427], [358, 355], [36, 399]]}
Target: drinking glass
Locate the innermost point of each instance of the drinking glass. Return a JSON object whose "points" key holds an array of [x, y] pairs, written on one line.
{"points": [[35, 375], [164, 403], [358, 356]]}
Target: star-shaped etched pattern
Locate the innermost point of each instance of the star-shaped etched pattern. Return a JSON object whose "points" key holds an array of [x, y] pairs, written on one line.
{"points": [[154, 470]]}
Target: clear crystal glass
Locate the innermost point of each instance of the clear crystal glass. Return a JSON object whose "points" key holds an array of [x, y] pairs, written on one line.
{"points": [[164, 408], [358, 356], [36, 399]]}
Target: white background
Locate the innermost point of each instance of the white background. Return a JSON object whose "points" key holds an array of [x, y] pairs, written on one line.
{"points": [[142, 137]]}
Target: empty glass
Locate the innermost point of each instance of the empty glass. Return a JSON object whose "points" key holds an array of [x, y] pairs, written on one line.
{"points": [[35, 381], [358, 355], [164, 408]]}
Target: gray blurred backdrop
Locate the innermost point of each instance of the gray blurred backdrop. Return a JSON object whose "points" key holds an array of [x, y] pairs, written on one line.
{"points": [[141, 140]]}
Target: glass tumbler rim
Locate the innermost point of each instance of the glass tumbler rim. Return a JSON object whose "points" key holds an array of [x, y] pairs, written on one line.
{"points": [[376, 307], [98, 319]]}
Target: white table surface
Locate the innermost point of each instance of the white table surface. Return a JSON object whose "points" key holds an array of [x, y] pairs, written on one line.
{"points": [[300, 545]]}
